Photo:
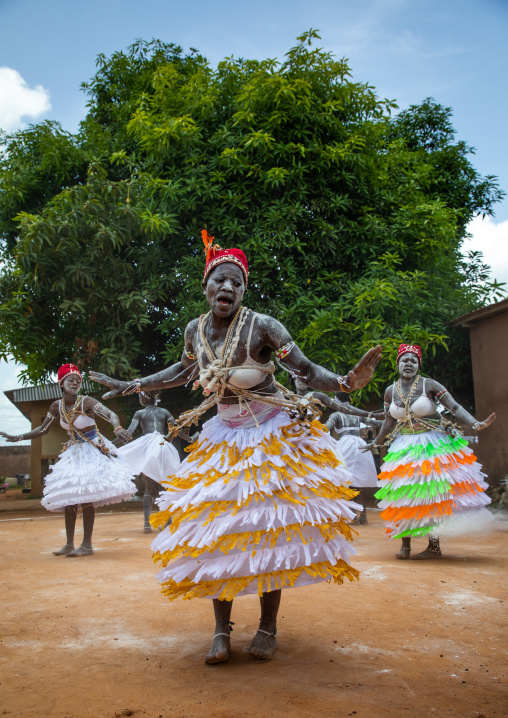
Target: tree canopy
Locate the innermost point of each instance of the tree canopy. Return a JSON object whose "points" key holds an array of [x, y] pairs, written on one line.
{"points": [[352, 218]]}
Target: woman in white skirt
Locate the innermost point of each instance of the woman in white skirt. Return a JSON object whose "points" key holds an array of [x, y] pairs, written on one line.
{"points": [[88, 472], [261, 502]]}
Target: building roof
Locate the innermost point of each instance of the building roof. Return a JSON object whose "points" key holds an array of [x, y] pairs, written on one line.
{"points": [[467, 320], [45, 392]]}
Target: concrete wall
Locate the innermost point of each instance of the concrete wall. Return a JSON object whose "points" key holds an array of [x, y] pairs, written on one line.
{"points": [[489, 351], [14, 460]]}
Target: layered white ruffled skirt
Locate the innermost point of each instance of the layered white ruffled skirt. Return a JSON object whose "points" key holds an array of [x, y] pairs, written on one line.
{"points": [[428, 480], [254, 510], [83, 475], [360, 465], [152, 456]]}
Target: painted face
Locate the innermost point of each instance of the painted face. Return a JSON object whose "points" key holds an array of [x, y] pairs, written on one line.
{"points": [[408, 365], [72, 384], [224, 289]]}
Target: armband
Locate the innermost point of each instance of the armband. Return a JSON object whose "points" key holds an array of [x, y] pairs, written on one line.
{"points": [[441, 393], [284, 351], [100, 410], [190, 355]]}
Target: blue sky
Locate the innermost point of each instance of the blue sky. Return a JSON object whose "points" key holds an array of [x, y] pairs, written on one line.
{"points": [[453, 50]]}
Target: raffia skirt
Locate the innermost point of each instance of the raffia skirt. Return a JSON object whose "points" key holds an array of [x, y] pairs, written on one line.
{"points": [[152, 456], [255, 509], [84, 475], [427, 480]]}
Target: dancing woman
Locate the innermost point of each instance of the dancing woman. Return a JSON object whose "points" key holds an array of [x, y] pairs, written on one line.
{"points": [[429, 474], [259, 504], [88, 472]]}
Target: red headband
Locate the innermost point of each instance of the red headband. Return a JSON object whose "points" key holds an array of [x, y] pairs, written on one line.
{"points": [[67, 369], [411, 349], [215, 255]]}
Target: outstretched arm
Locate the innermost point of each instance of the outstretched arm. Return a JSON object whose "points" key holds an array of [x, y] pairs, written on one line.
{"points": [[176, 375], [387, 427], [92, 406], [438, 391], [46, 425], [279, 340], [345, 408]]}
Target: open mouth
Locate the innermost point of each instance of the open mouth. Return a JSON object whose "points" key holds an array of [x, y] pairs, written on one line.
{"points": [[224, 301]]}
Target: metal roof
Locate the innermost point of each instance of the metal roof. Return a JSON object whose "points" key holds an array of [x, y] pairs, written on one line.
{"points": [[51, 391]]}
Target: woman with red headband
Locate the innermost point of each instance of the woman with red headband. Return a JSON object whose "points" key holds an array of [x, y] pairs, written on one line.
{"points": [[88, 472], [430, 476], [261, 503]]}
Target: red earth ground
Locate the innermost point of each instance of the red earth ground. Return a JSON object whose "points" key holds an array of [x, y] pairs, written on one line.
{"points": [[94, 637]]}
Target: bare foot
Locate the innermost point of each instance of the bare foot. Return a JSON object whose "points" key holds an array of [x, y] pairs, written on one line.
{"points": [[262, 646], [423, 555], [219, 652], [147, 529], [403, 553], [81, 551], [64, 550]]}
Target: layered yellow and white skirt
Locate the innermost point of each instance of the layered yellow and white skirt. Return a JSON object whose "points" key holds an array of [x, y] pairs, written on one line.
{"points": [[255, 508]]}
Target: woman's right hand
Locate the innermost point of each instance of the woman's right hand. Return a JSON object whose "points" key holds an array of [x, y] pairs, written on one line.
{"points": [[480, 425], [118, 388], [368, 447], [9, 437]]}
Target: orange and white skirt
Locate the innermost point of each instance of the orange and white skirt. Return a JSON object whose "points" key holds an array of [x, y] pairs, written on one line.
{"points": [[255, 508]]}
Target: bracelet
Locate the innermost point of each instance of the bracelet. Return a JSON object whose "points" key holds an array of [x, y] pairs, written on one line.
{"points": [[284, 351], [476, 426], [341, 379], [191, 355], [20, 437], [137, 384], [116, 429]]}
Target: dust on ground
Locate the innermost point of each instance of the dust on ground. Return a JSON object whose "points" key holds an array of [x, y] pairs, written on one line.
{"points": [[93, 637]]}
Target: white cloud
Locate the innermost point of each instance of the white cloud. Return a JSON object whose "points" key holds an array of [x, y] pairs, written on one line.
{"points": [[491, 239], [20, 103]]}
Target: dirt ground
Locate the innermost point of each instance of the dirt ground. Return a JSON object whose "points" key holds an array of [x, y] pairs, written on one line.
{"points": [[94, 637]]}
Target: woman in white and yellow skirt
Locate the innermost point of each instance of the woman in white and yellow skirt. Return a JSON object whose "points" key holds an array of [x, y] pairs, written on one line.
{"points": [[261, 503]]}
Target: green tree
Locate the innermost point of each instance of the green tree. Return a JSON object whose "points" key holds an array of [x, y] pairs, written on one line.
{"points": [[352, 219]]}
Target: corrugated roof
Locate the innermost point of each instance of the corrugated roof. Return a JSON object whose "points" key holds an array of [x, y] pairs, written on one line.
{"points": [[41, 393], [50, 391]]}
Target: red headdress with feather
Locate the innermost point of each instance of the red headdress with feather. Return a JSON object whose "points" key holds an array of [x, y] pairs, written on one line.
{"points": [[216, 255]]}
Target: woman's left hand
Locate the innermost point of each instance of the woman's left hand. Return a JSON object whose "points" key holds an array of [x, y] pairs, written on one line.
{"points": [[480, 425], [364, 370], [123, 434]]}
